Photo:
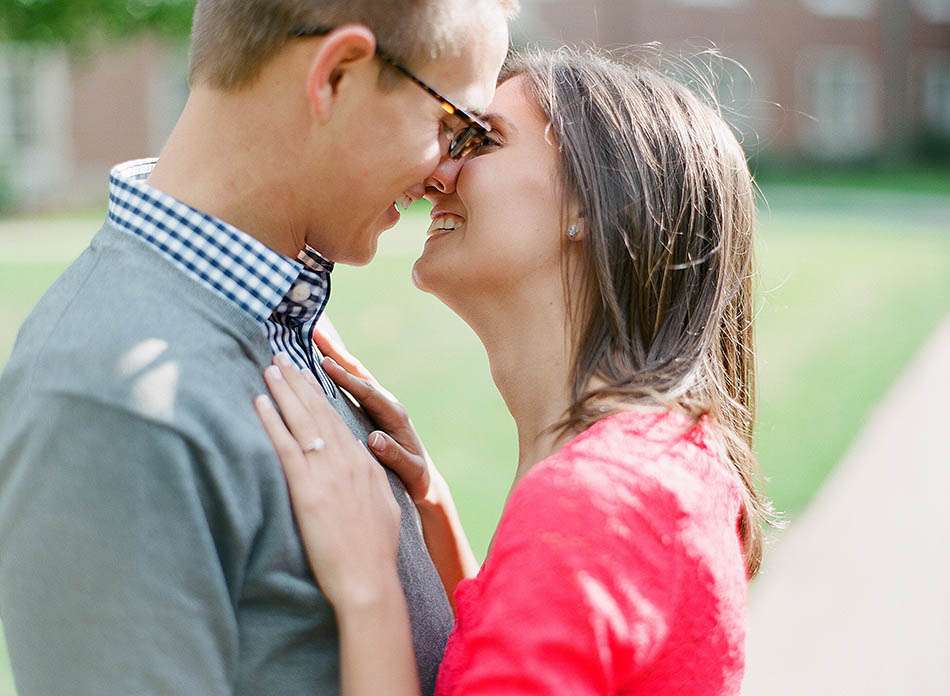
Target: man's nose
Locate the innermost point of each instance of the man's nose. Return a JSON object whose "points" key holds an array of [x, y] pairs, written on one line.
{"points": [[445, 175]]}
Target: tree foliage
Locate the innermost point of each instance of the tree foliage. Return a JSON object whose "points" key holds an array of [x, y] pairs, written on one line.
{"points": [[76, 22]]}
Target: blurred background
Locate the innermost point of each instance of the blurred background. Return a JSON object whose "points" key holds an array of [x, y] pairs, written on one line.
{"points": [[844, 109]]}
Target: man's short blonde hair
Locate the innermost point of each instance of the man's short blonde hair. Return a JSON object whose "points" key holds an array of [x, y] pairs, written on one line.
{"points": [[232, 40]]}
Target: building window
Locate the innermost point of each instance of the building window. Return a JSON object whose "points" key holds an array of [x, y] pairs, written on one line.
{"points": [[840, 97], [710, 3], [739, 80], [936, 89], [23, 126], [861, 9], [936, 11], [167, 93], [35, 128]]}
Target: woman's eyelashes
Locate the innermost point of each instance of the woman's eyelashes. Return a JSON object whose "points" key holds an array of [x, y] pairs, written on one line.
{"points": [[451, 127], [486, 143], [495, 138]]}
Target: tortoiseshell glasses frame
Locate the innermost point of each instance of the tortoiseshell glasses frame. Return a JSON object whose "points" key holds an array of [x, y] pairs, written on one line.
{"points": [[474, 130]]}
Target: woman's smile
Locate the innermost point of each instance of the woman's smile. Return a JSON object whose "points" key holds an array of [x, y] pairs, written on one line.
{"points": [[444, 222]]}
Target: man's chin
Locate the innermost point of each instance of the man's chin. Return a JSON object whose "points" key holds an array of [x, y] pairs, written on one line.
{"points": [[387, 219], [361, 259]]}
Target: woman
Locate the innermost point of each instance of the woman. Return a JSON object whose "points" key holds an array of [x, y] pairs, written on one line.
{"points": [[601, 248]]}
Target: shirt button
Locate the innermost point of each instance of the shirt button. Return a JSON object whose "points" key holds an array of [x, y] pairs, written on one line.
{"points": [[301, 292]]}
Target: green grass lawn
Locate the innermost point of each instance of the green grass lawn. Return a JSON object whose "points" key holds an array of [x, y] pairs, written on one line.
{"points": [[844, 302]]}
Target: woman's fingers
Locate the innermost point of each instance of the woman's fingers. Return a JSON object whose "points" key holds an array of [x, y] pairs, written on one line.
{"points": [[330, 344], [411, 468], [313, 398], [288, 449], [341, 483], [360, 388], [306, 411], [309, 415], [295, 414], [379, 403]]}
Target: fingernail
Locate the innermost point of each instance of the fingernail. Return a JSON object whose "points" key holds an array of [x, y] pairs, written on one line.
{"points": [[284, 359], [377, 442], [274, 373], [263, 401]]}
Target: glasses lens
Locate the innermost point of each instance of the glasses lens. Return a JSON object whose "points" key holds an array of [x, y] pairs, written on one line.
{"points": [[463, 142]]}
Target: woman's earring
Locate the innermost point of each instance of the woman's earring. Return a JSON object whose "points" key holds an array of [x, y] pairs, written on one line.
{"points": [[572, 231]]}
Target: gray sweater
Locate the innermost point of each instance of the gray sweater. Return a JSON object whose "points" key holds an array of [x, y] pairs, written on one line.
{"points": [[147, 544]]}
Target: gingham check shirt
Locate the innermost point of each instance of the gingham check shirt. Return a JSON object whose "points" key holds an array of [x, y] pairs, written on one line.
{"points": [[285, 296]]}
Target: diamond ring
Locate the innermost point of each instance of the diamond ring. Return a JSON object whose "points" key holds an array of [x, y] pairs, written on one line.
{"points": [[315, 445]]}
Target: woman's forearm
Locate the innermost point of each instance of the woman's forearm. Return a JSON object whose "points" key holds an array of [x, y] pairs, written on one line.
{"points": [[376, 653], [446, 539]]}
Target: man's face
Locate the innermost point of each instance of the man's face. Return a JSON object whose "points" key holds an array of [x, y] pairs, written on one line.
{"points": [[396, 137]]}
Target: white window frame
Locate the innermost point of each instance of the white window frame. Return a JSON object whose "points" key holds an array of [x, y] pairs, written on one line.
{"points": [[858, 9], [935, 91], [821, 135], [167, 93], [41, 169], [935, 11], [744, 91], [711, 4]]}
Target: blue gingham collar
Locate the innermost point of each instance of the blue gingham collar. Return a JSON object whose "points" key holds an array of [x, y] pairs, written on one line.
{"points": [[262, 282]]}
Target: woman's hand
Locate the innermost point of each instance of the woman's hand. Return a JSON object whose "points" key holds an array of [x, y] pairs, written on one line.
{"points": [[400, 448], [397, 445], [348, 517]]}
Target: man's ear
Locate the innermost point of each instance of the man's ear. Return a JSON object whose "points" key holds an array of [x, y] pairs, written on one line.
{"points": [[339, 51]]}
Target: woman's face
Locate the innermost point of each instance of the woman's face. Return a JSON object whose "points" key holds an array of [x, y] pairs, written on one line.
{"points": [[497, 233]]}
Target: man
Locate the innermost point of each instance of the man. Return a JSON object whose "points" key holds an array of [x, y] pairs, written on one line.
{"points": [[147, 543]]}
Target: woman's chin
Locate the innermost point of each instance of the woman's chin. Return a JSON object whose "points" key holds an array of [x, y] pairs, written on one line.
{"points": [[433, 275], [423, 276], [418, 279]]}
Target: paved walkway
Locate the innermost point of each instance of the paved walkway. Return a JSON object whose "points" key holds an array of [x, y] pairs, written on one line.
{"points": [[855, 597]]}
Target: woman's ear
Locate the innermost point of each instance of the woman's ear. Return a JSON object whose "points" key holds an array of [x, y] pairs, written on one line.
{"points": [[337, 54]]}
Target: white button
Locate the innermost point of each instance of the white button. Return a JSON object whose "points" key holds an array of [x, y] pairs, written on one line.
{"points": [[301, 292]]}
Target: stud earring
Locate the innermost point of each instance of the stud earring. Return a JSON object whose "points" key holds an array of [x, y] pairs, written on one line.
{"points": [[572, 231]]}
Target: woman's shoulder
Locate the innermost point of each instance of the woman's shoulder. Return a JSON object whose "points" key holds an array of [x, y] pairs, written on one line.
{"points": [[644, 463], [607, 552]]}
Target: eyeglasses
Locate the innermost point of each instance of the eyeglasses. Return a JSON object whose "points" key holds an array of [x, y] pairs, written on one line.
{"points": [[474, 132]]}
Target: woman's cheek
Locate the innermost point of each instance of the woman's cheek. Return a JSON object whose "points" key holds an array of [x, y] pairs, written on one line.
{"points": [[465, 185]]}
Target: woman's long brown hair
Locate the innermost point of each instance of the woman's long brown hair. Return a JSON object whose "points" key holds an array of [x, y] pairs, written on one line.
{"points": [[661, 300]]}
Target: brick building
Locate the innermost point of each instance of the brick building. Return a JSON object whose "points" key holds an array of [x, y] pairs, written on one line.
{"points": [[830, 79], [827, 79], [65, 119]]}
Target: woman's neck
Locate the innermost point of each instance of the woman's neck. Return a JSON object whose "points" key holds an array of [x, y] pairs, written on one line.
{"points": [[528, 350]]}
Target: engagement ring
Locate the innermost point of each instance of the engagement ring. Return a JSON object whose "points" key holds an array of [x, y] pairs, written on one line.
{"points": [[315, 445]]}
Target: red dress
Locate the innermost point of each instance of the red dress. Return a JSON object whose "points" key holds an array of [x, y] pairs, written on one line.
{"points": [[616, 569]]}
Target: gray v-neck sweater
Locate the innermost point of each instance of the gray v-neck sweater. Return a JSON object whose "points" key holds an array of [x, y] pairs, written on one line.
{"points": [[147, 544]]}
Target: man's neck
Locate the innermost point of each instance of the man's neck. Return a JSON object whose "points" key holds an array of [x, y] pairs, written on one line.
{"points": [[216, 161]]}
